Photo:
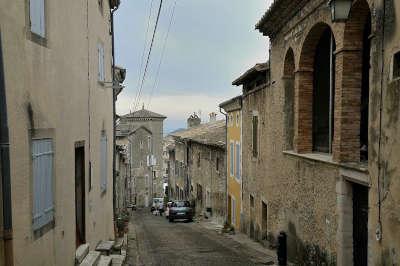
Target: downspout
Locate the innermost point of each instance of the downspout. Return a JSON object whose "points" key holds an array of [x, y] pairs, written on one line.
{"points": [[226, 163], [114, 99], [5, 169]]}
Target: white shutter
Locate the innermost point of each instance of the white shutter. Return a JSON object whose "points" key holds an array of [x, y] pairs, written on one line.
{"points": [[238, 161], [37, 17], [43, 197], [103, 162]]}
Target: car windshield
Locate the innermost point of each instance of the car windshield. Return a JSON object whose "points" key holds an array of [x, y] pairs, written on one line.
{"points": [[181, 204]]}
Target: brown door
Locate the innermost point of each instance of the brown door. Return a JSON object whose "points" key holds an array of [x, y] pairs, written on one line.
{"points": [[80, 195]]}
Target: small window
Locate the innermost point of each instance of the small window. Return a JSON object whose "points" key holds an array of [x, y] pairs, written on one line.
{"points": [[198, 159], [237, 119], [103, 162], [101, 7], [141, 144], [141, 163], [217, 164], [255, 136], [149, 143], [43, 178], [396, 65], [100, 54], [37, 17], [251, 201]]}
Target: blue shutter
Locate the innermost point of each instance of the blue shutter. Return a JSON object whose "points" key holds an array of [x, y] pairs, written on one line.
{"points": [[103, 162], [238, 161], [232, 155], [43, 201], [37, 17]]}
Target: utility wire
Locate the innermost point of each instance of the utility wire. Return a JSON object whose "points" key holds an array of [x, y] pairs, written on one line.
{"points": [[144, 49], [162, 55], [148, 56]]}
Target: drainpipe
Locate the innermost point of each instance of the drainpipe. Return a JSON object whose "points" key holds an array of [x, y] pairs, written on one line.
{"points": [[226, 163], [5, 169], [114, 98]]}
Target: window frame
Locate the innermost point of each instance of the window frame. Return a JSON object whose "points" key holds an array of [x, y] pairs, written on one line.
{"points": [[255, 135], [42, 31], [101, 73], [238, 159]]}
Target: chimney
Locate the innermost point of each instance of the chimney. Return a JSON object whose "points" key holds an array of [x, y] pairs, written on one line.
{"points": [[193, 120], [213, 117]]}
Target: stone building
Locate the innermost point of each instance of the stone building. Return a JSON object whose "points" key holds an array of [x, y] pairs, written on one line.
{"points": [[144, 131], [233, 109], [197, 167], [56, 129], [327, 133]]}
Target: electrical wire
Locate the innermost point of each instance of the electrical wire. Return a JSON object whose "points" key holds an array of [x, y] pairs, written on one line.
{"points": [[148, 56], [144, 49], [156, 80]]}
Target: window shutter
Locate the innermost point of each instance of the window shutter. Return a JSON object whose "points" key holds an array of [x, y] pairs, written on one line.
{"points": [[103, 161], [100, 53], [36, 12], [238, 161], [43, 202], [232, 154]]}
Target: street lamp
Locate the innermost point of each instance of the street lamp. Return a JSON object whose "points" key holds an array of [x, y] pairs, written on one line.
{"points": [[340, 9]]}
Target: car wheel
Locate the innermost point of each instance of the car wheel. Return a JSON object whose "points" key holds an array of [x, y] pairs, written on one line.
{"points": [[171, 220]]}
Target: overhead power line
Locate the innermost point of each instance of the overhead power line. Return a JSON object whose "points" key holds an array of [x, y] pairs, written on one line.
{"points": [[148, 56], [162, 55], [144, 49]]}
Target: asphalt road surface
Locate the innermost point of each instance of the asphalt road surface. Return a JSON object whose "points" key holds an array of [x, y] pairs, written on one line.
{"points": [[158, 242]]}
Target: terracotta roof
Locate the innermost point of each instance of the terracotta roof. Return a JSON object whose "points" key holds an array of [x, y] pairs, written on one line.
{"points": [[261, 67], [278, 14], [143, 113], [212, 133]]}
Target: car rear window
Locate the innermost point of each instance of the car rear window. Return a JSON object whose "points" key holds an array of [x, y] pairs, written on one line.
{"points": [[181, 204]]}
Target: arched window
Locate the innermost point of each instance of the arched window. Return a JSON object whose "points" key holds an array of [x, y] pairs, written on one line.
{"points": [[323, 93]]}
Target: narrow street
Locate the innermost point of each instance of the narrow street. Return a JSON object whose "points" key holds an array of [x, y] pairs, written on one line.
{"points": [[153, 240]]}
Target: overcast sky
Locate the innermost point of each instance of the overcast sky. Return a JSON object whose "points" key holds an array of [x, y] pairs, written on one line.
{"points": [[211, 42]]}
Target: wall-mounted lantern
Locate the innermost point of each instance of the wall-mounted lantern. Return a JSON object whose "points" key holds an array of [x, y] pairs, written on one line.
{"points": [[340, 9]]}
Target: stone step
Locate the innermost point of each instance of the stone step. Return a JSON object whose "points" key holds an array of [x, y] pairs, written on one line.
{"points": [[119, 242], [91, 259], [104, 261], [81, 253], [118, 260], [105, 247]]}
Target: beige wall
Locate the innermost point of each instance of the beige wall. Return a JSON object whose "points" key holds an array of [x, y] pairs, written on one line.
{"points": [[54, 81]]}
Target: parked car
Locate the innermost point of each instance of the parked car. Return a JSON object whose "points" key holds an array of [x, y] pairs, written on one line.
{"points": [[167, 208], [180, 210]]}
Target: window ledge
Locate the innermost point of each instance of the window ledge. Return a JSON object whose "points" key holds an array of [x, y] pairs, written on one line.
{"points": [[327, 158]]}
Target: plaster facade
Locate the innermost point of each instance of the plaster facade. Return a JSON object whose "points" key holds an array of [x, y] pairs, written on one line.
{"points": [[53, 91]]}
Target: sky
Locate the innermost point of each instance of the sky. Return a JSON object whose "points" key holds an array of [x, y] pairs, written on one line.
{"points": [[210, 43]]}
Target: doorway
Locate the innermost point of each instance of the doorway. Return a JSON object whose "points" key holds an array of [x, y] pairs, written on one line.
{"points": [[80, 195], [229, 209], [264, 220], [360, 225]]}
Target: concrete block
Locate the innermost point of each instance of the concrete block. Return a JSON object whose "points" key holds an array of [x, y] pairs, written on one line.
{"points": [[91, 259], [105, 247], [117, 260], [104, 261], [81, 253]]}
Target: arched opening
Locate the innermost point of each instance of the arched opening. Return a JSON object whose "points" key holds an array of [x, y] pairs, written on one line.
{"points": [[315, 83], [288, 83], [323, 93]]}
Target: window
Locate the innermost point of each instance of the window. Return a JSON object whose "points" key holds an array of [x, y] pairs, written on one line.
{"points": [[255, 135], [237, 119], [100, 5], [323, 94], [149, 143], [237, 160], [141, 163], [37, 17], [198, 159], [251, 201], [231, 158], [43, 195], [396, 65], [103, 162], [217, 164], [141, 144], [100, 54]]}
